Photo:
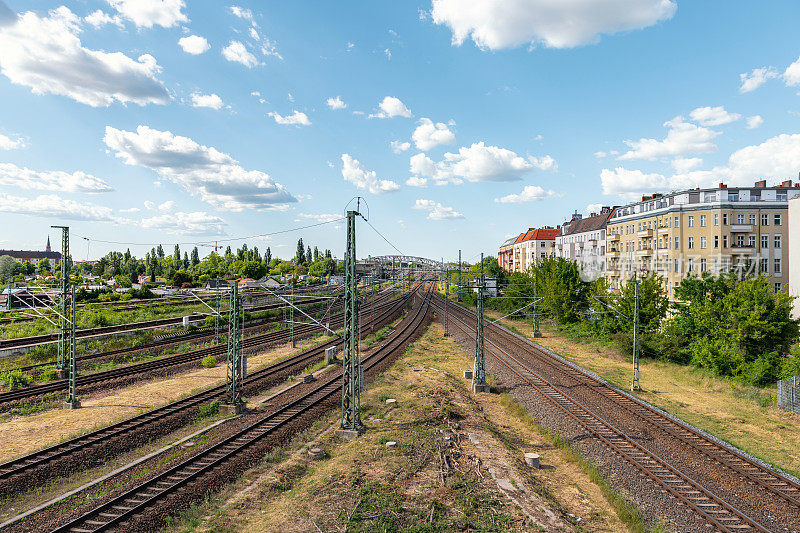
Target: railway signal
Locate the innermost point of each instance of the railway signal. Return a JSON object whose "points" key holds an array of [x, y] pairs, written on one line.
{"points": [[351, 425]]}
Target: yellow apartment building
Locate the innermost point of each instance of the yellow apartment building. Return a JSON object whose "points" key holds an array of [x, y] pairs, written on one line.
{"points": [[738, 229]]}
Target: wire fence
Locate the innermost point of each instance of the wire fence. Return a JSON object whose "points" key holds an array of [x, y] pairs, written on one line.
{"points": [[789, 394]]}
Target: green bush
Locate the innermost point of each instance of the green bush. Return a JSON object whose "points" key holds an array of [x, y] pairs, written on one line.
{"points": [[14, 379], [209, 361], [48, 375], [209, 409]]}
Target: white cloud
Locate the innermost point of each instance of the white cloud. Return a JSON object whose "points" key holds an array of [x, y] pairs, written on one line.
{"points": [[350, 46], [203, 171], [130, 210], [207, 100], [166, 206], [478, 163], [45, 54], [429, 135], [194, 44], [297, 118], [54, 207], [791, 76], [7, 143], [354, 172], [543, 163], [756, 78], [713, 116], [149, 13], [593, 208], [242, 13], [180, 223], [685, 164], [682, 138], [336, 103], [254, 34], [98, 19], [320, 217], [531, 193], [391, 107], [436, 211], [149, 205], [600, 155], [397, 146], [416, 181], [268, 48], [495, 24], [754, 122], [24, 178], [387, 53], [777, 157], [237, 53]]}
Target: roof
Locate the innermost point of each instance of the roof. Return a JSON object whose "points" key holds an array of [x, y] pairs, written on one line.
{"points": [[30, 254], [541, 234], [588, 224], [509, 242], [13, 291]]}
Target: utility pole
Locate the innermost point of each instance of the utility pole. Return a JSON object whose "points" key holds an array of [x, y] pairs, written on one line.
{"points": [[234, 370], [446, 297], [635, 383], [72, 394], [458, 294], [479, 372], [63, 322], [536, 332], [291, 316], [216, 315], [351, 425]]}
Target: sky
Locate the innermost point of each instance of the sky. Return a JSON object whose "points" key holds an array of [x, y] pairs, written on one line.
{"points": [[460, 123]]}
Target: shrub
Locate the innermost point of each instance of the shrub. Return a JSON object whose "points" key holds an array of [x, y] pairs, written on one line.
{"points": [[14, 379], [209, 361], [48, 375], [209, 409]]}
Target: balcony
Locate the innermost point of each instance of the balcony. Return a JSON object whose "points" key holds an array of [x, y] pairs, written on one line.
{"points": [[612, 253], [743, 249], [612, 237], [645, 233], [742, 228], [644, 253], [664, 229]]}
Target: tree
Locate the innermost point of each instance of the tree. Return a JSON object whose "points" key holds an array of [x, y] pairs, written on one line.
{"points": [[253, 269], [44, 266], [308, 255], [268, 256], [195, 256], [180, 277], [176, 258], [7, 267], [564, 295], [160, 251], [128, 255], [185, 260], [316, 254], [300, 256]]}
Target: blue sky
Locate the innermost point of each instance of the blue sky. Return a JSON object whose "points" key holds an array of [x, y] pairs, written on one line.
{"points": [[163, 121]]}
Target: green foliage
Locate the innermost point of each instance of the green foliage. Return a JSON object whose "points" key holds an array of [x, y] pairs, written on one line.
{"points": [[253, 269], [14, 379], [564, 295], [209, 409], [209, 361]]}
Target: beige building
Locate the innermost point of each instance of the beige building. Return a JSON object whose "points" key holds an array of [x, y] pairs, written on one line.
{"points": [[583, 240], [794, 252], [738, 229], [527, 248]]}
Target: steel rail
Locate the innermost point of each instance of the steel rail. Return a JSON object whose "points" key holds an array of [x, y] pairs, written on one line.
{"points": [[141, 422], [722, 515], [134, 501]]}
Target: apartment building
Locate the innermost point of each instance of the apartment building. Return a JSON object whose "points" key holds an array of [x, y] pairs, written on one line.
{"points": [[521, 252], [794, 252], [583, 240], [737, 229]]}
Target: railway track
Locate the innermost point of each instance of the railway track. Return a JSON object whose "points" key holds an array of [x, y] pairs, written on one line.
{"points": [[714, 510], [119, 510], [17, 473], [127, 371]]}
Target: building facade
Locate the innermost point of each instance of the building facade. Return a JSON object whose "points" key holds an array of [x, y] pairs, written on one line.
{"points": [[531, 246], [583, 240], [738, 229], [794, 252], [505, 256]]}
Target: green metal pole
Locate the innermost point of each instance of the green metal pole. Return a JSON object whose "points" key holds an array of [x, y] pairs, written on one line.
{"points": [[458, 294], [234, 367], [72, 395], [63, 322], [479, 373], [536, 332], [216, 316], [351, 398], [446, 297], [291, 315], [635, 382]]}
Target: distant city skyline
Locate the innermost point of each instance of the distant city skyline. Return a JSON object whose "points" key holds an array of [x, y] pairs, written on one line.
{"points": [[144, 122]]}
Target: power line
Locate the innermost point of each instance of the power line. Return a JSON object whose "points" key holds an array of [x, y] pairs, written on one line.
{"points": [[382, 237]]}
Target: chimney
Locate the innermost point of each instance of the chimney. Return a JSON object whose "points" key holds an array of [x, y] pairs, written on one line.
{"points": [[723, 186], [761, 184], [787, 183]]}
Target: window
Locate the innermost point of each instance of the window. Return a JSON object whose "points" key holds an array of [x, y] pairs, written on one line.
{"points": [[764, 219], [675, 266], [778, 241], [777, 287], [716, 265], [702, 221], [716, 241], [751, 241], [724, 241], [691, 221], [677, 222], [752, 220], [724, 219], [691, 242], [777, 220], [676, 243], [702, 265], [543, 254], [690, 265], [777, 268], [725, 264], [716, 219], [764, 266], [740, 219]]}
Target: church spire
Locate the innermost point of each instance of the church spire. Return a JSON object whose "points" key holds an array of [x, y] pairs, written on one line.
{"points": [[47, 248]]}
